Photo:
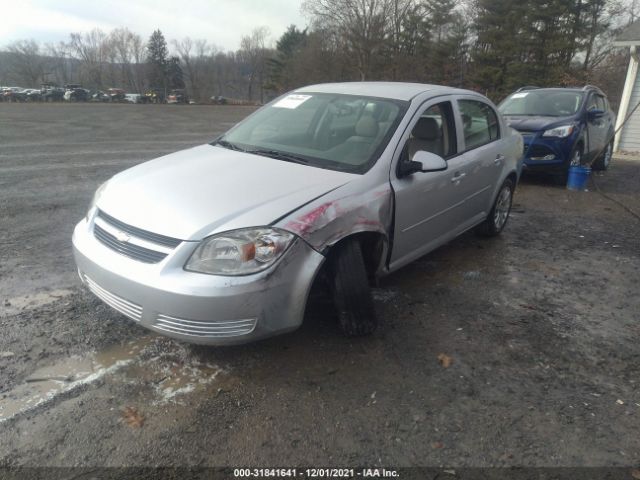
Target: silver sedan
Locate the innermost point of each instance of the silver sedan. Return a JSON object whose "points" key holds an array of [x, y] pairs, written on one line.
{"points": [[221, 243]]}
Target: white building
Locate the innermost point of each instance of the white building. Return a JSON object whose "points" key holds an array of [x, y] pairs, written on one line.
{"points": [[628, 139]]}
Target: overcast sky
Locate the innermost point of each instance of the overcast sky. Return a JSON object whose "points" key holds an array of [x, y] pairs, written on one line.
{"points": [[221, 22]]}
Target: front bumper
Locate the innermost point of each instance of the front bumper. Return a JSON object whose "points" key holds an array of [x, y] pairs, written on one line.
{"points": [[199, 308], [546, 154]]}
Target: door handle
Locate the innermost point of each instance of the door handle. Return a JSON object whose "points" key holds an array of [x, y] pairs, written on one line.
{"points": [[499, 158], [457, 177]]}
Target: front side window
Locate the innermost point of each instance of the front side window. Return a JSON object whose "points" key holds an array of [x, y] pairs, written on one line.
{"points": [[339, 132], [480, 123], [434, 132]]}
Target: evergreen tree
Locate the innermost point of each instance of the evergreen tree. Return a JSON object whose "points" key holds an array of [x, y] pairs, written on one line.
{"points": [[447, 42], [175, 75], [157, 58], [282, 75]]}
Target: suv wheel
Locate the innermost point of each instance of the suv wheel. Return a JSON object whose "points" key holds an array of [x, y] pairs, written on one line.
{"points": [[351, 293], [499, 214], [603, 161]]}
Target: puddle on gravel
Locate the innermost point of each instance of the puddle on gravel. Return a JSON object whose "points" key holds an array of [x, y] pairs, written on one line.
{"points": [[14, 305], [168, 371]]}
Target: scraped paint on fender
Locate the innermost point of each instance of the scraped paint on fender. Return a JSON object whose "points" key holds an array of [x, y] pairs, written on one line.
{"points": [[327, 221]]}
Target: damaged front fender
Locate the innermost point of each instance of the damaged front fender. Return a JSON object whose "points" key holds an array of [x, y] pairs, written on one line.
{"points": [[350, 209]]}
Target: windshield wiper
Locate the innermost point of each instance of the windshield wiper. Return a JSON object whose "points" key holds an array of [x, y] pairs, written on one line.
{"points": [[229, 145], [277, 154]]}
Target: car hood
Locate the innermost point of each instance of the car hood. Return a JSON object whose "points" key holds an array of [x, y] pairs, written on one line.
{"points": [[207, 189], [533, 124]]}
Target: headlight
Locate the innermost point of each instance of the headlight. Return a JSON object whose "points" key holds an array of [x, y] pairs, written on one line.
{"points": [[239, 252], [94, 200], [560, 132]]}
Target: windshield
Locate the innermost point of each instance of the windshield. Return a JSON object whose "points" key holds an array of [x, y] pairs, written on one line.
{"points": [[338, 132], [542, 102]]}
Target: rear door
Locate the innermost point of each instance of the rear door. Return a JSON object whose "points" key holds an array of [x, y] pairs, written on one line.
{"points": [[482, 155]]}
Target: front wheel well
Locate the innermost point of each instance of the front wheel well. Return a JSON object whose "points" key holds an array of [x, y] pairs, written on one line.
{"points": [[374, 247]]}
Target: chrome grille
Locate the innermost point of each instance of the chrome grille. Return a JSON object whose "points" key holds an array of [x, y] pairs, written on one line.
{"points": [[232, 328], [133, 242], [138, 232], [125, 307], [128, 249]]}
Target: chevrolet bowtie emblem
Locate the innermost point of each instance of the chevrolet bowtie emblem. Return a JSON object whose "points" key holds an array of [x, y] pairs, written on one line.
{"points": [[122, 236]]}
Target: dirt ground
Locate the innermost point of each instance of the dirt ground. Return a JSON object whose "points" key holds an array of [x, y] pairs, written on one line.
{"points": [[542, 326]]}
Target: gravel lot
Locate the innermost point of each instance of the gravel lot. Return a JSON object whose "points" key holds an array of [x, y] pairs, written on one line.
{"points": [[541, 325]]}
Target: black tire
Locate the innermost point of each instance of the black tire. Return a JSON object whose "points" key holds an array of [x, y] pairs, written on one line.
{"points": [[494, 224], [604, 160], [351, 293]]}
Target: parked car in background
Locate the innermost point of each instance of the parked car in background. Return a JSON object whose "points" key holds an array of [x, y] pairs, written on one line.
{"points": [[100, 96], [33, 95], [116, 94], [154, 95], [11, 94], [51, 93], [218, 100], [77, 95], [220, 243], [562, 127], [177, 96], [136, 98], [20, 95]]}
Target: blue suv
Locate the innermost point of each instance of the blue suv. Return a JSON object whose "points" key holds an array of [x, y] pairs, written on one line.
{"points": [[561, 127]]}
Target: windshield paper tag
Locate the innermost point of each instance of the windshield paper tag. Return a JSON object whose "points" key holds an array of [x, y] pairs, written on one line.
{"points": [[292, 101], [519, 95]]}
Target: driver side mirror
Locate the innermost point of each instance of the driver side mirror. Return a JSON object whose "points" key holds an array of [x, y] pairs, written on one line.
{"points": [[595, 113], [422, 162]]}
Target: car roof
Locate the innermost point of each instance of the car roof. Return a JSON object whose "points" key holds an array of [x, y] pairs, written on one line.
{"points": [[391, 90], [586, 88]]}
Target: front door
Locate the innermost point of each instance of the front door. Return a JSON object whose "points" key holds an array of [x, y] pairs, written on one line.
{"points": [[428, 204], [596, 127]]}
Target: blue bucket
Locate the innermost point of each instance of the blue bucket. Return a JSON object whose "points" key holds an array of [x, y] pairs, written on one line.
{"points": [[578, 177]]}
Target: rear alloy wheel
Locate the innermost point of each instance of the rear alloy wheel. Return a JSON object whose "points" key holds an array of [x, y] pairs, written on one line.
{"points": [[603, 161], [499, 214], [351, 292]]}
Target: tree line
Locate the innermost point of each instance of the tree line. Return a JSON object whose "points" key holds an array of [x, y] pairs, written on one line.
{"points": [[492, 46]]}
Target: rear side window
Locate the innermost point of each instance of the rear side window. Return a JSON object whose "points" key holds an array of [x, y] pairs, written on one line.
{"points": [[480, 123], [601, 103]]}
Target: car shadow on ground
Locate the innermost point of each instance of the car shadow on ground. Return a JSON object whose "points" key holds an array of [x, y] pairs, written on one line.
{"points": [[420, 282]]}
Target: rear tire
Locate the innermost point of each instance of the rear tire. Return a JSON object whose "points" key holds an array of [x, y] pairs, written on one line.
{"points": [[351, 293], [499, 214], [604, 160]]}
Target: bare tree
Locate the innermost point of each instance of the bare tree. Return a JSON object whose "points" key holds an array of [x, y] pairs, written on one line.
{"points": [[27, 60], [127, 50], [59, 69], [197, 57], [361, 23], [91, 49], [253, 51]]}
